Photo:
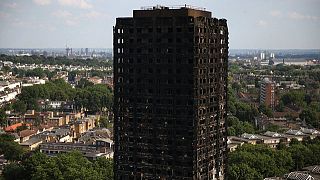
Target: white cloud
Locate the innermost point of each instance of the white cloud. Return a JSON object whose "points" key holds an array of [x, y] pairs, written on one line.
{"points": [[20, 23], [276, 13], [3, 15], [67, 17], [62, 14], [95, 15], [82, 4], [71, 22], [42, 2], [11, 5], [262, 23], [299, 16]]}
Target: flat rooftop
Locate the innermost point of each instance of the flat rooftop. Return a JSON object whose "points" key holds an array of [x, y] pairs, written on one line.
{"points": [[171, 11]]}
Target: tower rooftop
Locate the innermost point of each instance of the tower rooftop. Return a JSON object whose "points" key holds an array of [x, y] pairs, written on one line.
{"points": [[170, 11]]}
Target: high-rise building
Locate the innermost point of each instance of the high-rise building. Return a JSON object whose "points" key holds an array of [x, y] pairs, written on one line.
{"points": [[272, 56], [267, 93], [262, 56], [87, 51], [170, 74]]}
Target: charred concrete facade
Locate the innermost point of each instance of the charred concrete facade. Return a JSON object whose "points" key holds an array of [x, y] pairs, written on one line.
{"points": [[170, 70]]}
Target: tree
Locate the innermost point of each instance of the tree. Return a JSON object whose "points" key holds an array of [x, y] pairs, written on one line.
{"points": [[6, 69], [104, 122], [243, 172], [231, 131], [273, 128], [12, 151], [284, 162], [236, 127], [280, 107], [265, 110], [64, 166], [6, 138], [19, 106], [83, 83], [3, 117], [301, 155], [294, 98], [245, 112], [14, 171], [311, 117], [105, 167]]}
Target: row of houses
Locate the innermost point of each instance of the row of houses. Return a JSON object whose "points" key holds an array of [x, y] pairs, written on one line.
{"points": [[101, 148], [92, 144], [46, 117], [307, 173], [9, 91], [272, 139]]}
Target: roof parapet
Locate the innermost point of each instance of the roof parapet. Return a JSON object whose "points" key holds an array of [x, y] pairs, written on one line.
{"points": [[172, 7]]}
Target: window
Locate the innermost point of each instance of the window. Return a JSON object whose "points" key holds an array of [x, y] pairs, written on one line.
{"points": [[120, 31]]}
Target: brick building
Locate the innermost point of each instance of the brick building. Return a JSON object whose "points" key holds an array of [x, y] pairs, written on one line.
{"points": [[267, 93]]}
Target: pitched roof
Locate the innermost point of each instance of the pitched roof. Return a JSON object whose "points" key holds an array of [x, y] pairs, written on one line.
{"points": [[294, 132], [13, 127], [272, 134], [316, 170], [299, 176], [249, 136], [31, 141], [27, 132], [309, 131]]}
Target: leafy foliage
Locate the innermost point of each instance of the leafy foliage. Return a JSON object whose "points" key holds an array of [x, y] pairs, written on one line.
{"points": [[311, 117], [12, 151], [258, 161], [56, 61], [294, 99], [90, 97], [63, 167], [237, 127]]}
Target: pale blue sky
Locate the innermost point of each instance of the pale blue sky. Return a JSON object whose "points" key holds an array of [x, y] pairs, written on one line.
{"points": [[258, 24]]}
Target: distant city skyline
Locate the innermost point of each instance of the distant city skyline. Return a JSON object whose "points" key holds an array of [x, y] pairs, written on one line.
{"points": [[253, 24]]}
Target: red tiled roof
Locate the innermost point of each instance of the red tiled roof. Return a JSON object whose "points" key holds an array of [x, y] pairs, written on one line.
{"points": [[13, 127]]}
